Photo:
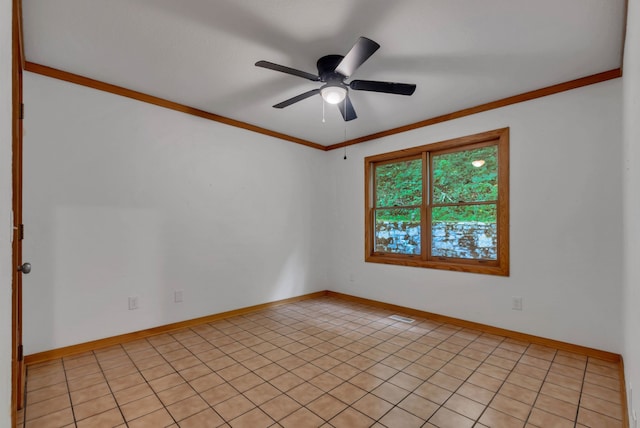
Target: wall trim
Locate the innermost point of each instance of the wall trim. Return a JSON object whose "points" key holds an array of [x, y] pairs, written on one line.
{"points": [[66, 351], [565, 346], [161, 102], [526, 96], [141, 334], [18, 368], [623, 394]]}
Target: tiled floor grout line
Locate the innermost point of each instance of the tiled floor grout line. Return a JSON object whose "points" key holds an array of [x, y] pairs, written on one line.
{"points": [[25, 398], [533, 405], [108, 386], [539, 392], [584, 375], [393, 406], [204, 363], [477, 420], [345, 362], [325, 370], [426, 380], [26, 389], [305, 380], [266, 381], [128, 354], [443, 340], [496, 393], [584, 380], [465, 380], [226, 381], [250, 371], [155, 393], [399, 371]]}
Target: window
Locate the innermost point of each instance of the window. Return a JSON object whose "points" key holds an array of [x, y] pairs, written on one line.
{"points": [[444, 205]]}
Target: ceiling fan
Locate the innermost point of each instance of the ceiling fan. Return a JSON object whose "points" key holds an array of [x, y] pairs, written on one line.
{"points": [[333, 70]]}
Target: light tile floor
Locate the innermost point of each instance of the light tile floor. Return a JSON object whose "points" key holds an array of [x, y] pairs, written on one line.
{"points": [[324, 363]]}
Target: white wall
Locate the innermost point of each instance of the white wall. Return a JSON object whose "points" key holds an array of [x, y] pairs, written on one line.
{"points": [[123, 199], [5, 213], [631, 169], [126, 199], [566, 233]]}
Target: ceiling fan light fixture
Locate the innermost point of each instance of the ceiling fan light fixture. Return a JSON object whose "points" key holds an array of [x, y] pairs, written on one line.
{"points": [[333, 94], [333, 70]]}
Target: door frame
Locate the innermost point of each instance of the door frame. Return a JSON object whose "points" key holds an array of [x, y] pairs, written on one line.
{"points": [[17, 357]]}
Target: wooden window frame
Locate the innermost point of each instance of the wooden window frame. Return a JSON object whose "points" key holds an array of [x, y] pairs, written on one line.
{"points": [[499, 137]]}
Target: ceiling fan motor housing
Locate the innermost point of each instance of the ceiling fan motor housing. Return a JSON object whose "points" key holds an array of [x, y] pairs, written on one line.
{"points": [[327, 69]]}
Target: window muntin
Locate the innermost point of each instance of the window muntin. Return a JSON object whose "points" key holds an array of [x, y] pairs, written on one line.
{"points": [[443, 205]]}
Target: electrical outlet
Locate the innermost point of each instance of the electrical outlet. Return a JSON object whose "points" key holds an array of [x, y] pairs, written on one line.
{"points": [[177, 296], [352, 277], [516, 303], [133, 303]]}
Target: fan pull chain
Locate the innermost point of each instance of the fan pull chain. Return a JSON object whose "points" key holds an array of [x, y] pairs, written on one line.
{"points": [[345, 137], [323, 121]]}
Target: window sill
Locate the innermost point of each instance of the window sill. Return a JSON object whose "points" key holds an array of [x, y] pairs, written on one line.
{"points": [[471, 266]]}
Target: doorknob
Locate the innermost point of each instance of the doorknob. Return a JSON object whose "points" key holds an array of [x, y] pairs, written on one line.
{"points": [[25, 268]]}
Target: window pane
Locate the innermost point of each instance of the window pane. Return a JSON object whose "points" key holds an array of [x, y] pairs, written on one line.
{"points": [[467, 232], [399, 184], [456, 178], [397, 230]]}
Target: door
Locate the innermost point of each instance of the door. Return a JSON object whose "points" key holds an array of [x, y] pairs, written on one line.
{"points": [[18, 229]]}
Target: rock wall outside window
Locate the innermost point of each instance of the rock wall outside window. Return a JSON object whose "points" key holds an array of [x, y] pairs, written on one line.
{"points": [[469, 240]]}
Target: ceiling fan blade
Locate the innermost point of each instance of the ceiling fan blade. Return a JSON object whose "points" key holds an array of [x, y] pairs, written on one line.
{"points": [[358, 54], [297, 98], [347, 110], [386, 87], [288, 70]]}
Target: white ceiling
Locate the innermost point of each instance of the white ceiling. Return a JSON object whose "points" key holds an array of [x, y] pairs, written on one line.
{"points": [[460, 53]]}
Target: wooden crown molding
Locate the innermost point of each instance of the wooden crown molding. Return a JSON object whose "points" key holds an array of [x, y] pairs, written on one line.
{"points": [[526, 96], [624, 34], [118, 90]]}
